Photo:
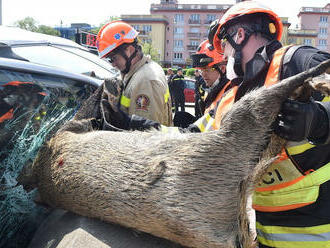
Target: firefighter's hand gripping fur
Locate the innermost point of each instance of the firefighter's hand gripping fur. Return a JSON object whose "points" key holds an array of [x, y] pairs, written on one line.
{"points": [[182, 187]]}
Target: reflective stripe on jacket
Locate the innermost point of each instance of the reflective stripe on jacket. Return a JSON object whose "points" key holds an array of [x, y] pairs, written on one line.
{"points": [[286, 187]]}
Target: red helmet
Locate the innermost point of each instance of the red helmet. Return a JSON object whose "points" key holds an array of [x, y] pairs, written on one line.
{"points": [[114, 34], [273, 27], [206, 55]]}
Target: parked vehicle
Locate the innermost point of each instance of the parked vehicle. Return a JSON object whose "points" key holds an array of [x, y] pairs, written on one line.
{"points": [[43, 81], [189, 90]]}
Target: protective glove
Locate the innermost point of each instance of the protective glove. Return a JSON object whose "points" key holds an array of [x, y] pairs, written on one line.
{"points": [[113, 120], [119, 120], [298, 121]]}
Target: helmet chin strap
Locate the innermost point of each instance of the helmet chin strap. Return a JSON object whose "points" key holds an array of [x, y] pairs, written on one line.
{"points": [[238, 53], [128, 60]]}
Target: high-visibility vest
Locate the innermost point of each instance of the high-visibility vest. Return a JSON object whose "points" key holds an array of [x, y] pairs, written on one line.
{"points": [[284, 187]]}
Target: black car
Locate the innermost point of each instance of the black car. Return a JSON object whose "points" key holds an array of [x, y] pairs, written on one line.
{"points": [[43, 82]]}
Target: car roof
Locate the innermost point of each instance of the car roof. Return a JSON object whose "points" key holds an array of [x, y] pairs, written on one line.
{"points": [[12, 36], [24, 66]]}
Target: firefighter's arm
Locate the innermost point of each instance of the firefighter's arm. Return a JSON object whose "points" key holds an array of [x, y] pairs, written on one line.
{"points": [[119, 121]]}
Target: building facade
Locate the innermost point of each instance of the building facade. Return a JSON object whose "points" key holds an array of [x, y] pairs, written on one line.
{"points": [[152, 30], [316, 21], [187, 27]]}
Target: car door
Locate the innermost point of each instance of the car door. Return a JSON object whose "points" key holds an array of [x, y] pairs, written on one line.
{"points": [[32, 107]]}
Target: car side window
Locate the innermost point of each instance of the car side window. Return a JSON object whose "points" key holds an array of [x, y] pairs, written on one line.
{"points": [[69, 60], [32, 107]]}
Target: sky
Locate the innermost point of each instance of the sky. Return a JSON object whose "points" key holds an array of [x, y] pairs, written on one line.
{"points": [[53, 12]]}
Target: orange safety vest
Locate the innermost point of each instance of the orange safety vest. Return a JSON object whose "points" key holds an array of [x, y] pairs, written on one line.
{"points": [[215, 102], [271, 78]]}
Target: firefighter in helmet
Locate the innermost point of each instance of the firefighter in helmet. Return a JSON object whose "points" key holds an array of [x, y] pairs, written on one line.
{"points": [[143, 90], [292, 199], [213, 69]]}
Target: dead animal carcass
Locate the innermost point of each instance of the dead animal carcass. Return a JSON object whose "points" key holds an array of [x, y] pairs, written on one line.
{"points": [[183, 187]]}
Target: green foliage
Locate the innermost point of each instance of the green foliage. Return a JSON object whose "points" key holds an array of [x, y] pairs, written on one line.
{"points": [[28, 23], [190, 72], [48, 30], [147, 48]]}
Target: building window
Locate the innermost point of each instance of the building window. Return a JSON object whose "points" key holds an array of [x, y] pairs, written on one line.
{"points": [[194, 43], [178, 18], [149, 41], [323, 30], [324, 19], [194, 17], [136, 27], [194, 30], [178, 43], [147, 28], [308, 42], [322, 42], [178, 55], [210, 18], [178, 30]]}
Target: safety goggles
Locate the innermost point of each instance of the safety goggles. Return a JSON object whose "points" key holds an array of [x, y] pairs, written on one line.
{"points": [[225, 38], [207, 70], [112, 58]]}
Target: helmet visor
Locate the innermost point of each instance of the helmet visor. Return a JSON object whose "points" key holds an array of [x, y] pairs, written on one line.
{"points": [[201, 60]]}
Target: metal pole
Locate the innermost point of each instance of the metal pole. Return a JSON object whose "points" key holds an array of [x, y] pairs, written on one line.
{"points": [[0, 12]]}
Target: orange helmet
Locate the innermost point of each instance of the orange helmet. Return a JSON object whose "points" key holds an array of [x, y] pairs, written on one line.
{"points": [[272, 27], [206, 55], [112, 35]]}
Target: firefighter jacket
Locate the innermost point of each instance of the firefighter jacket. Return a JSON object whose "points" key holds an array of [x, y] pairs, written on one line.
{"points": [[178, 87], [292, 200], [146, 93]]}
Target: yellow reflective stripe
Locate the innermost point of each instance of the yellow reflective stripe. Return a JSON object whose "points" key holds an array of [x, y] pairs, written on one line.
{"points": [[326, 99], [167, 95], [294, 237], [286, 229], [201, 123], [304, 191], [209, 125], [294, 150], [287, 198], [125, 101]]}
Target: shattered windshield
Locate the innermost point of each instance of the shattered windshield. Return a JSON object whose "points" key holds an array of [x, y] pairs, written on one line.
{"points": [[32, 108]]}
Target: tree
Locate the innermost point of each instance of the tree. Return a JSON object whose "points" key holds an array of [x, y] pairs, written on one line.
{"points": [[48, 30], [28, 23], [147, 48]]}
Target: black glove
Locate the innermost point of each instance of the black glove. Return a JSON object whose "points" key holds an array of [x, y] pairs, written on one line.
{"points": [[298, 121], [113, 120], [142, 124], [119, 120]]}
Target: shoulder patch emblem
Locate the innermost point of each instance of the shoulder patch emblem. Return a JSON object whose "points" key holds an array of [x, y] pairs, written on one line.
{"points": [[142, 102]]}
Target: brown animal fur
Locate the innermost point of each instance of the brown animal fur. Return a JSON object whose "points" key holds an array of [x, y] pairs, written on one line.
{"points": [[183, 187]]}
